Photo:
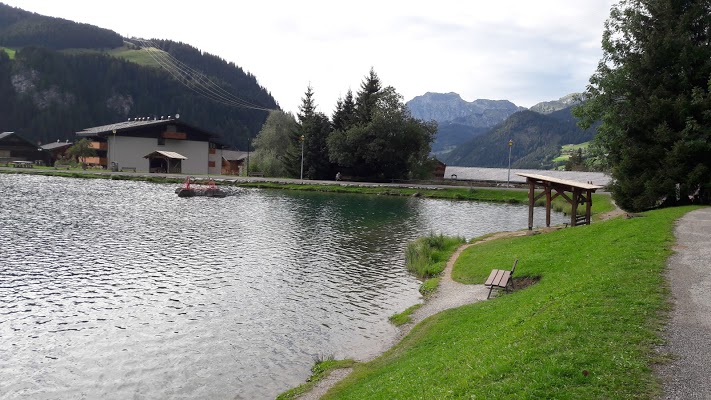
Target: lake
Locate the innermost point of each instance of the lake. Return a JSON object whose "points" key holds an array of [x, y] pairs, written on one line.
{"points": [[119, 289]]}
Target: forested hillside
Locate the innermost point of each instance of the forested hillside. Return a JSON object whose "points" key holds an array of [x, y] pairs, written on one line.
{"points": [[19, 28], [536, 141], [60, 82]]}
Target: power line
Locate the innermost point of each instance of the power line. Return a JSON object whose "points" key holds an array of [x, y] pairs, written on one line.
{"points": [[194, 80]]}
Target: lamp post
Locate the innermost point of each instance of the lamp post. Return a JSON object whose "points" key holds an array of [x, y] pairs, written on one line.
{"points": [[302, 157], [508, 178]]}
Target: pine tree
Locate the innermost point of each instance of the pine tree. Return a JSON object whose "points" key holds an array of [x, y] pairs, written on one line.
{"points": [[367, 98], [651, 94], [314, 128], [345, 114]]}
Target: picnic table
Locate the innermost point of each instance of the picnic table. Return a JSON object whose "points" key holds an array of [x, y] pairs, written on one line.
{"points": [[22, 164]]}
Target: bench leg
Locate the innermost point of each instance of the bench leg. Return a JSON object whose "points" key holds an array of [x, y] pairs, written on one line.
{"points": [[490, 289]]}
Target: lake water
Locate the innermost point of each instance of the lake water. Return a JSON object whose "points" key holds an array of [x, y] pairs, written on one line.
{"points": [[117, 289]]}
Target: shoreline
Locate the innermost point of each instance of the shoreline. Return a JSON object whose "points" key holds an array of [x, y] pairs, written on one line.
{"points": [[450, 294]]}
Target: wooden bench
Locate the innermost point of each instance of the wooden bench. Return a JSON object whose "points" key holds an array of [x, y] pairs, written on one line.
{"points": [[500, 279], [257, 174], [126, 169]]}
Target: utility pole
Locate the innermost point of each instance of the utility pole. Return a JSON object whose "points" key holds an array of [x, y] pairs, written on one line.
{"points": [[302, 157], [508, 178]]}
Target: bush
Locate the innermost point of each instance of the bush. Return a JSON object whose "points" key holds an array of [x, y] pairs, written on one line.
{"points": [[427, 256]]}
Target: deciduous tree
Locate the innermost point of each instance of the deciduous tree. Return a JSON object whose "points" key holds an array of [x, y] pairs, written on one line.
{"points": [[276, 144]]}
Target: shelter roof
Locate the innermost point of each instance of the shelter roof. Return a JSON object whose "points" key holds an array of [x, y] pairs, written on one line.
{"points": [[166, 154], [232, 155], [562, 182]]}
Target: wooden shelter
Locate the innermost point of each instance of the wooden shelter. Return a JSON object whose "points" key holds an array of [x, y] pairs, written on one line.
{"points": [[576, 193], [165, 161]]}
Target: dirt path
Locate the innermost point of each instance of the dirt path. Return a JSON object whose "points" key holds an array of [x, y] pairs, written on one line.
{"points": [[688, 332]]}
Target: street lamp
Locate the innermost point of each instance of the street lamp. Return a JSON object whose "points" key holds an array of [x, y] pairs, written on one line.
{"points": [[508, 178], [302, 157]]}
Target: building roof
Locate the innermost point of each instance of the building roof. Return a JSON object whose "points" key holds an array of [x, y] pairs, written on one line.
{"points": [[12, 137], [105, 130], [232, 155], [56, 145], [166, 154]]}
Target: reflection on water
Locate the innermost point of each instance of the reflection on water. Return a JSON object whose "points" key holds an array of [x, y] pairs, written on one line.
{"points": [[114, 289]]}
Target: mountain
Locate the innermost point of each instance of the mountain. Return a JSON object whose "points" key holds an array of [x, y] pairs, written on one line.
{"points": [[547, 107], [58, 77], [536, 141], [458, 120]]}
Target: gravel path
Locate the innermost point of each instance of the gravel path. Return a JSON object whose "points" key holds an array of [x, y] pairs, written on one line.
{"points": [[450, 294], [688, 333]]}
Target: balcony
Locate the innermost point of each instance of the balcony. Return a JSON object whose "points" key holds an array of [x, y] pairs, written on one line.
{"points": [[99, 145], [96, 160]]}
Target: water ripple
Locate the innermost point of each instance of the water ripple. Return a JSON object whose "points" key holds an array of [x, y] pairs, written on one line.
{"points": [[115, 289]]}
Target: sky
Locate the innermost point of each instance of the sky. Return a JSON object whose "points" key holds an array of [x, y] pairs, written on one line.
{"points": [[518, 50]]}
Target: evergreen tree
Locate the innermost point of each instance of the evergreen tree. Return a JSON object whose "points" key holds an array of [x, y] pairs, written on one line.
{"points": [[367, 99], [651, 94], [392, 145], [345, 115], [314, 128]]}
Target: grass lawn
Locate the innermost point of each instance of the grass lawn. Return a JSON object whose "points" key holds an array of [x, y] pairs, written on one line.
{"points": [[10, 52], [586, 330], [140, 56]]}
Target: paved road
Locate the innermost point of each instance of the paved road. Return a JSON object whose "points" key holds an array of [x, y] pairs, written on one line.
{"points": [[688, 376]]}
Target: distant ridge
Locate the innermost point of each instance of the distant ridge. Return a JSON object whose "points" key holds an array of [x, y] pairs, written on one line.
{"points": [[547, 107], [459, 120]]}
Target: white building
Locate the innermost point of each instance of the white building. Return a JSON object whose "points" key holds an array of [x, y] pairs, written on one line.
{"points": [[155, 145]]}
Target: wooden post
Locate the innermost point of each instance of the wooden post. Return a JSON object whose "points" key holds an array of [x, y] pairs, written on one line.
{"points": [[588, 207], [548, 204], [531, 201], [574, 206]]}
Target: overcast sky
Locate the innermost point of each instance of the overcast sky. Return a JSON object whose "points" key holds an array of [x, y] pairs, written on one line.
{"points": [[518, 50]]}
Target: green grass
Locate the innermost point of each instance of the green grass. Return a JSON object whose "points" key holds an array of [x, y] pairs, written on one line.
{"points": [[320, 370], [427, 256], [429, 287], [601, 202], [568, 149], [454, 193], [404, 317], [138, 56], [10, 52], [586, 330]]}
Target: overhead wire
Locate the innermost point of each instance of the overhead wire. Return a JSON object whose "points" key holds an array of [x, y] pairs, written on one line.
{"points": [[194, 80]]}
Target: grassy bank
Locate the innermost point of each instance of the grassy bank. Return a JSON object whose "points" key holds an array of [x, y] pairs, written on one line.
{"points": [[586, 330], [601, 202]]}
